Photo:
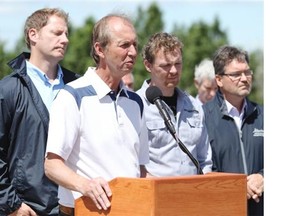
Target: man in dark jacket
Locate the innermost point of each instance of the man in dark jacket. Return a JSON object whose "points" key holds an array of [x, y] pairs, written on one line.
{"points": [[235, 124], [25, 98]]}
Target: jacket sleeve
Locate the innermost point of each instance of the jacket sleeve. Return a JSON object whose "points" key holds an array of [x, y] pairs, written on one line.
{"points": [[204, 153], [9, 201]]}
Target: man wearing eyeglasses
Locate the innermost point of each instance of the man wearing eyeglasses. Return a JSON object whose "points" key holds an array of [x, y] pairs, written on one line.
{"points": [[235, 124]]}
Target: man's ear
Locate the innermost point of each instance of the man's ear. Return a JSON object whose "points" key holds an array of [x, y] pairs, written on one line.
{"points": [[196, 83], [218, 79], [33, 36], [147, 65], [99, 50]]}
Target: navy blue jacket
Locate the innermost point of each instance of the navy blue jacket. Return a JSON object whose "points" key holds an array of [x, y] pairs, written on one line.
{"points": [[235, 152], [24, 122]]}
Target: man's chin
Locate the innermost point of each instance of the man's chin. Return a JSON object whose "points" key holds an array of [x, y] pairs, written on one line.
{"points": [[245, 93], [172, 85], [60, 52], [60, 56]]}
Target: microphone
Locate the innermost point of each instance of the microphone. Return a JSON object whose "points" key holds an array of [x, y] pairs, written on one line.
{"points": [[153, 94]]}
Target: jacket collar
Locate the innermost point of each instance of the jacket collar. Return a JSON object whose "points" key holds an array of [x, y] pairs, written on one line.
{"points": [[218, 101], [19, 62]]}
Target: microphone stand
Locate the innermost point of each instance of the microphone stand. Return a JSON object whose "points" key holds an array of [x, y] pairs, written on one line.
{"points": [[186, 151]]}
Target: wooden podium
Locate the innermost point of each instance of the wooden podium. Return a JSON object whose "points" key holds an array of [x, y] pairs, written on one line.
{"points": [[211, 194]]}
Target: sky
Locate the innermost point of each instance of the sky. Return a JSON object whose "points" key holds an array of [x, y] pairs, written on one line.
{"points": [[242, 20]]}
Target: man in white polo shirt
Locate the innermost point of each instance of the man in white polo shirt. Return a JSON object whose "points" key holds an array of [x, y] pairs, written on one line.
{"points": [[97, 129]]}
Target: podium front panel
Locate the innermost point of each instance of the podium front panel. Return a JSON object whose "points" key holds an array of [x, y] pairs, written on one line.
{"points": [[211, 194]]}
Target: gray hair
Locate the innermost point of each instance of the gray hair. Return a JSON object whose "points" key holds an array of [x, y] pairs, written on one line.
{"points": [[204, 70]]}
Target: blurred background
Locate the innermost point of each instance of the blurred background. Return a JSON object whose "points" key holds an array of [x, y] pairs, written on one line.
{"points": [[202, 26]]}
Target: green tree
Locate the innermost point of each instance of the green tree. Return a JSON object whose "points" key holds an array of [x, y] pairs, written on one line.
{"points": [[5, 58], [200, 41], [256, 64], [78, 57], [2, 60], [146, 23]]}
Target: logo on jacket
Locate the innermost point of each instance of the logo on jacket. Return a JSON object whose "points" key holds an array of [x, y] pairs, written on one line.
{"points": [[258, 132]]}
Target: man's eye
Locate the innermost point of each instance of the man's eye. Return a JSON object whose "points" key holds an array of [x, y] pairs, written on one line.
{"points": [[125, 45], [235, 75]]}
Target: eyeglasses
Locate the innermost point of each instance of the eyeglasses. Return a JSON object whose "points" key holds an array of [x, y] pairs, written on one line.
{"points": [[238, 74]]}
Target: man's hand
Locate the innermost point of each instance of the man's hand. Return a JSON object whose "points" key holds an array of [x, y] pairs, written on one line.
{"points": [[99, 191], [255, 186], [24, 210]]}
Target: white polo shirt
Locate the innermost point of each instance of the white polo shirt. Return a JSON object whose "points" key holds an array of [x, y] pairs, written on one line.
{"points": [[96, 135]]}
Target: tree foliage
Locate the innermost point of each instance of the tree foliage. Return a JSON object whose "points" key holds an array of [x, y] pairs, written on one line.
{"points": [[200, 41], [146, 23], [78, 57], [5, 57]]}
